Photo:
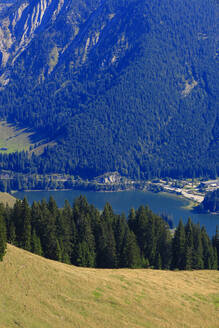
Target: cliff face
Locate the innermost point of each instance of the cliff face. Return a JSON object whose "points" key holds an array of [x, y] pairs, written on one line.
{"points": [[21, 21], [75, 26], [74, 30]]}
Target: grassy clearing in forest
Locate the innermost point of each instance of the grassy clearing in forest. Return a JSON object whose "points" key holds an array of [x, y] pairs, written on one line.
{"points": [[13, 138], [36, 292]]}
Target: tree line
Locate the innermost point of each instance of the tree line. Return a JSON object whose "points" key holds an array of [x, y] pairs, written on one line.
{"points": [[83, 236]]}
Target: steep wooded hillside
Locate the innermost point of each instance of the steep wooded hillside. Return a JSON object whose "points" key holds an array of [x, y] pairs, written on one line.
{"points": [[129, 85]]}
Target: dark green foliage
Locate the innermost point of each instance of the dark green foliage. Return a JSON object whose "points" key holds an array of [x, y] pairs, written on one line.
{"points": [[130, 252], [36, 247], [179, 247], [12, 234], [85, 243], [106, 240], [153, 236], [120, 231], [83, 236], [3, 237], [25, 241], [189, 245], [57, 251], [215, 242], [198, 262], [158, 262], [66, 231], [125, 106], [208, 251], [50, 243], [210, 202]]}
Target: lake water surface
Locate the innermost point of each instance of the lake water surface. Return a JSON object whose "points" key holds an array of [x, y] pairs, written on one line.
{"points": [[161, 203]]}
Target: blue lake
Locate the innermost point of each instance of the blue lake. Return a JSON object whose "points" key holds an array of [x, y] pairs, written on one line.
{"points": [[161, 203]]}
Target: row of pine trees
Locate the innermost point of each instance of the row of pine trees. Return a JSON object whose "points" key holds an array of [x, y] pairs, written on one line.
{"points": [[82, 235]]}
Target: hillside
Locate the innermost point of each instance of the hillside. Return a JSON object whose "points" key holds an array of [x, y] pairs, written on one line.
{"points": [[210, 202], [128, 86], [36, 292], [6, 198]]}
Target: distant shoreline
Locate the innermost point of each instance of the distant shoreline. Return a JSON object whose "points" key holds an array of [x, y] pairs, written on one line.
{"points": [[190, 206], [187, 189]]}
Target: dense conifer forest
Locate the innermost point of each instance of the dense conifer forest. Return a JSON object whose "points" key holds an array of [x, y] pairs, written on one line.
{"points": [[210, 202], [83, 236], [128, 86]]}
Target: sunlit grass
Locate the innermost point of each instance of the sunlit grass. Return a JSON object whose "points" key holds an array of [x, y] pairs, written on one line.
{"points": [[13, 139], [6, 198], [36, 292]]}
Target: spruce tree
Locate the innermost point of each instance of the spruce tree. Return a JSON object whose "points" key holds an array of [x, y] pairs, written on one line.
{"points": [[208, 252], [36, 215], [64, 232], [3, 238], [132, 220], [36, 247], [101, 244], [12, 234], [189, 245], [17, 219], [48, 235], [140, 230], [57, 251], [158, 261], [215, 242], [130, 252], [110, 248], [52, 206], [120, 225], [85, 244], [164, 245], [25, 241], [150, 234], [198, 262], [107, 255], [178, 247], [215, 260]]}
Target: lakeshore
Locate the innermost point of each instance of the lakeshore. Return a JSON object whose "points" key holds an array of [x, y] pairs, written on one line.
{"points": [[193, 190], [169, 205]]}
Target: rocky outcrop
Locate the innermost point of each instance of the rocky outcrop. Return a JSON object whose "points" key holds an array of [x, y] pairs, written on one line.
{"points": [[20, 21], [75, 34]]}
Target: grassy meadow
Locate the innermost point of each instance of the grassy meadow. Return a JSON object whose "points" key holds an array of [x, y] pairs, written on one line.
{"points": [[13, 139], [38, 293], [6, 198]]}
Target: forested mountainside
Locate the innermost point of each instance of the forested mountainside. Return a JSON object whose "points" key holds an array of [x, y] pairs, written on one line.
{"points": [[210, 202], [130, 86]]}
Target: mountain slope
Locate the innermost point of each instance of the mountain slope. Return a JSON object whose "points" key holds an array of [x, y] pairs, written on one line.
{"points": [[6, 198], [38, 292], [120, 85]]}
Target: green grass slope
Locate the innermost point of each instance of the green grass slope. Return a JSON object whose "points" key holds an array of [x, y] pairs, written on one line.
{"points": [[13, 139], [6, 198], [36, 292]]}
